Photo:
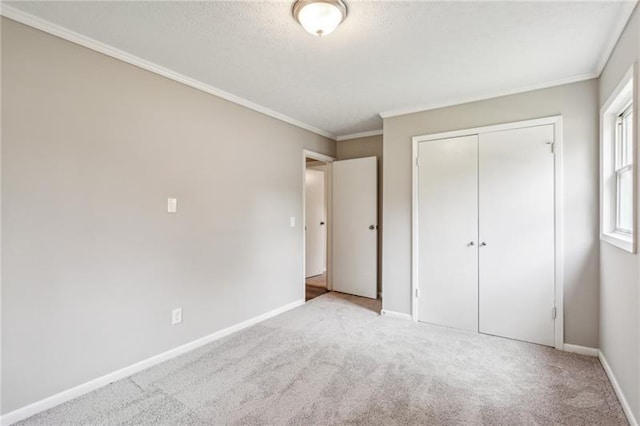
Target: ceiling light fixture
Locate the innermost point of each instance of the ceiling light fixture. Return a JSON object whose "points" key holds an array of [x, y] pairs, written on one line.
{"points": [[319, 17]]}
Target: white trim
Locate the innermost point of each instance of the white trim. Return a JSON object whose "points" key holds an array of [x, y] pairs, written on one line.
{"points": [[618, 390], [615, 99], [1, 257], [558, 217], [558, 189], [359, 135], [616, 33], [602, 62], [618, 240], [328, 184], [464, 100], [317, 156], [75, 392], [397, 315], [487, 129], [414, 229], [581, 350], [66, 34]]}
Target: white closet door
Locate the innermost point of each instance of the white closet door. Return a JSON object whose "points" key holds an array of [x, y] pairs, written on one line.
{"points": [[355, 222], [516, 206], [448, 232]]}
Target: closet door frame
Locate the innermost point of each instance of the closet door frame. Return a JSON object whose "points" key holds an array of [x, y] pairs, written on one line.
{"points": [[556, 121]]}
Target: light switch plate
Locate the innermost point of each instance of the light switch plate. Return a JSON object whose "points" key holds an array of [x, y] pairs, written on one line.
{"points": [[172, 205], [176, 316], [292, 221]]}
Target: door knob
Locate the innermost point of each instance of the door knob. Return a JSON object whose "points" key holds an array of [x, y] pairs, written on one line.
{"points": [[483, 244], [321, 223], [372, 227], [471, 244]]}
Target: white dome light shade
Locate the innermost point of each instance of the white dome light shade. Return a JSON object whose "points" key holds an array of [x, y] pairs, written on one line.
{"points": [[319, 17]]}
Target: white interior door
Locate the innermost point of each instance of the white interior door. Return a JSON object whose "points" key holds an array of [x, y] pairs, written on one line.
{"points": [[516, 206], [355, 220], [448, 232], [315, 223]]}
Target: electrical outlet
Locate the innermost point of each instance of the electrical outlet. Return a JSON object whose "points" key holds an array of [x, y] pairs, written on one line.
{"points": [[176, 316]]}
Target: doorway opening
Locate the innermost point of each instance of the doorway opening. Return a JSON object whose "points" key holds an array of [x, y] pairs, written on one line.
{"points": [[316, 188], [340, 218]]}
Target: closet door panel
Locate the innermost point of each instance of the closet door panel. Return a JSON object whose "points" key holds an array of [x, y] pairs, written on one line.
{"points": [[516, 217], [448, 232]]}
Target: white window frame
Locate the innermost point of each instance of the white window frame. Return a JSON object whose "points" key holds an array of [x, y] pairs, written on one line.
{"points": [[622, 164], [619, 104]]}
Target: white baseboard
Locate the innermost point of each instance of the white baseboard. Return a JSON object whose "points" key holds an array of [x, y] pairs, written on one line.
{"points": [[581, 350], [616, 387], [69, 394], [392, 314]]}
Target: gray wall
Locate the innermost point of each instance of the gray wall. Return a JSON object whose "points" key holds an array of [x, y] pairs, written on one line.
{"points": [[92, 147], [620, 280], [578, 104], [370, 146]]}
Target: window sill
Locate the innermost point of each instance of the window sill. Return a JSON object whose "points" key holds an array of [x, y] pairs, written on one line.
{"points": [[622, 241]]}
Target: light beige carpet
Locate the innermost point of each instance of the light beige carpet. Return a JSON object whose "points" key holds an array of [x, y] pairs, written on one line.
{"points": [[334, 361]]}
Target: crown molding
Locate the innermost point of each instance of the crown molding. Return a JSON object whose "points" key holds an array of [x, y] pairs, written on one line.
{"points": [[66, 34], [465, 100], [616, 33], [359, 135]]}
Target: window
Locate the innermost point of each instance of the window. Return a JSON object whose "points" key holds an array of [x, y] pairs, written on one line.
{"points": [[618, 169], [624, 171]]}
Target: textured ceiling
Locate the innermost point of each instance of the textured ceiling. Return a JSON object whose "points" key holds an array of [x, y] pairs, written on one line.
{"points": [[386, 56]]}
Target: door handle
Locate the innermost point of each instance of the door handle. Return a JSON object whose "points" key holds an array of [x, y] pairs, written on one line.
{"points": [[372, 227], [321, 223], [471, 244], [483, 244]]}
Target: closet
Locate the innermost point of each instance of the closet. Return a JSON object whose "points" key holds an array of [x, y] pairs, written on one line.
{"points": [[486, 232]]}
